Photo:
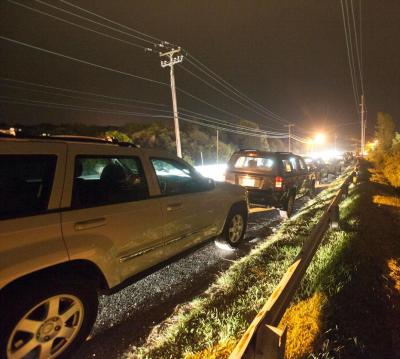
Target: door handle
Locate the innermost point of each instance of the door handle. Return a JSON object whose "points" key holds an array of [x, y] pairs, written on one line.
{"points": [[174, 206], [91, 223]]}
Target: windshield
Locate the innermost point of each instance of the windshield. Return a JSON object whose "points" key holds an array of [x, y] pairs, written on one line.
{"points": [[263, 163]]}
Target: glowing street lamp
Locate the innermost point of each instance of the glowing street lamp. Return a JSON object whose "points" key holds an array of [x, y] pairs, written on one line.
{"points": [[319, 138]]}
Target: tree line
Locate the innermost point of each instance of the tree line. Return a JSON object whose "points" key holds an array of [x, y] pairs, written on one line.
{"points": [[199, 144]]}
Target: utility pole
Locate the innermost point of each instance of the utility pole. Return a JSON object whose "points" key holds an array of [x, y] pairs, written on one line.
{"points": [[362, 125], [290, 135], [174, 58], [217, 144]]}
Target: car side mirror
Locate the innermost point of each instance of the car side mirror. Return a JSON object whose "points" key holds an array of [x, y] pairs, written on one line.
{"points": [[207, 184]]}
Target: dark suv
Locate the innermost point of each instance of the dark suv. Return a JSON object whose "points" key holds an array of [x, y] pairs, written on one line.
{"points": [[273, 179]]}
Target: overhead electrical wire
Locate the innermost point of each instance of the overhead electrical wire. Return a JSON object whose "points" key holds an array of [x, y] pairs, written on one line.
{"points": [[90, 20], [185, 112], [83, 99], [350, 37], [357, 48], [268, 112], [211, 74], [154, 39], [56, 105], [223, 93], [349, 57], [82, 61], [231, 88], [75, 24], [81, 92], [355, 65]]}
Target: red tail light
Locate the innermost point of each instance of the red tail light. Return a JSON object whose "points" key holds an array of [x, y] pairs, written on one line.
{"points": [[278, 182]]}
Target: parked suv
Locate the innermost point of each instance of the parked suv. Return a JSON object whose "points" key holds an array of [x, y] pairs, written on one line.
{"points": [[79, 216], [272, 178]]}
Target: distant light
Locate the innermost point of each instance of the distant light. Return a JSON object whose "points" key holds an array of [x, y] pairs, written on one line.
{"points": [[216, 171], [319, 138]]}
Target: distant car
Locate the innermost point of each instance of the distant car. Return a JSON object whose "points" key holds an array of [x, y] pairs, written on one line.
{"points": [[272, 178], [81, 215]]}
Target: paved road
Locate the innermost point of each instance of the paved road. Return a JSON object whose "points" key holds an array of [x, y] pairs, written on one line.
{"points": [[126, 318]]}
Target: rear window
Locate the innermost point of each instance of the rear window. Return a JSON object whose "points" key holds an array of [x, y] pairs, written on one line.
{"points": [[25, 184], [250, 162]]}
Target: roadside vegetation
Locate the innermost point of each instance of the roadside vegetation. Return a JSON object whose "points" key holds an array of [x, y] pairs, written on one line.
{"points": [[354, 281], [384, 152], [210, 325]]}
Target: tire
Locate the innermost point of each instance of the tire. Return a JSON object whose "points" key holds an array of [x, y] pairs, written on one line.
{"points": [[235, 227], [46, 319], [287, 211], [311, 191]]}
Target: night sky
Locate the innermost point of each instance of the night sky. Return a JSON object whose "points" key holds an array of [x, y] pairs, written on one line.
{"points": [[290, 56]]}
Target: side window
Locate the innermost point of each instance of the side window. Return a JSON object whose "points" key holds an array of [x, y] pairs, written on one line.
{"points": [[302, 164], [293, 162], [286, 165], [175, 178], [25, 184], [106, 180]]}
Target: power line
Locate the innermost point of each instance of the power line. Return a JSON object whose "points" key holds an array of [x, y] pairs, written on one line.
{"points": [[74, 24], [56, 105], [350, 37], [83, 99], [154, 39], [106, 35], [229, 87], [131, 29], [349, 57], [185, 111], [81, 61], [90, 20], [357, 49], [223, 93], [82, 92]]}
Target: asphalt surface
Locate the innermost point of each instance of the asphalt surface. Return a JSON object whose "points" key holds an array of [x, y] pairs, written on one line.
{"points": [[126, 318]]}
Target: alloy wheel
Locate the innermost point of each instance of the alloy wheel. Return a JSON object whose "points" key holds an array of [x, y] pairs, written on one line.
{"points": [[236, 228], [47, 329]]}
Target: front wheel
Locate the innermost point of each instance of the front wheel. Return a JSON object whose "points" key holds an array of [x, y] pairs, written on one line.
{"points": [[49, 322], [235, 227]]}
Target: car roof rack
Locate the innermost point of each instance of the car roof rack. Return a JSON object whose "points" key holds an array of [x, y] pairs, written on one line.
{"points": [[72, 138]]}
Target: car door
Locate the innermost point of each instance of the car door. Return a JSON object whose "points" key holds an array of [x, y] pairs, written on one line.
{"points": [[112, 220], [31, 181], [188, 202]]}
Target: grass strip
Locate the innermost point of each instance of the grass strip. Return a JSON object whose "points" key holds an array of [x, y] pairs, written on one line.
{"points": [[216, 320], [356, 276]]}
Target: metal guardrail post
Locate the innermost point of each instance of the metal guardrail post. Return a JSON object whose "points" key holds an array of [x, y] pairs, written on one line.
{"points": [[334, 217], [270, 342], [345, 190]]}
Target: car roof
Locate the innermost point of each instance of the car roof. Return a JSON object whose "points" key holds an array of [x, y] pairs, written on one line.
{"points": [[263, 153], [88, 141]]}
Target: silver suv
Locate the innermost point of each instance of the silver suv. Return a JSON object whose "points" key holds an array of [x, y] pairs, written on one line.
{"points": [[79, 216]]}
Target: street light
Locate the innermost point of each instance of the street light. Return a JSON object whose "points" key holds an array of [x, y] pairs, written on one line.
{"points": [[319, 138]]}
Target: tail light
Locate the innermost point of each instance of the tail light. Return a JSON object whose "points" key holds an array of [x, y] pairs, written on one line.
{"points": [[278, 182]]}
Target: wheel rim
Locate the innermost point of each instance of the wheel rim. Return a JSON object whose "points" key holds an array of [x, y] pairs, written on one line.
{"points": [[236, 228], [47, 329]]}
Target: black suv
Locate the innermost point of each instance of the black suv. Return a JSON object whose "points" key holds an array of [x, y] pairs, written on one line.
{"points": [[273, 179]]}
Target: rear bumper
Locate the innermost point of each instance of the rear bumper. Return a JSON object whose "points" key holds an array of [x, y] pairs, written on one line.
{"points": [[265, 197]]}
